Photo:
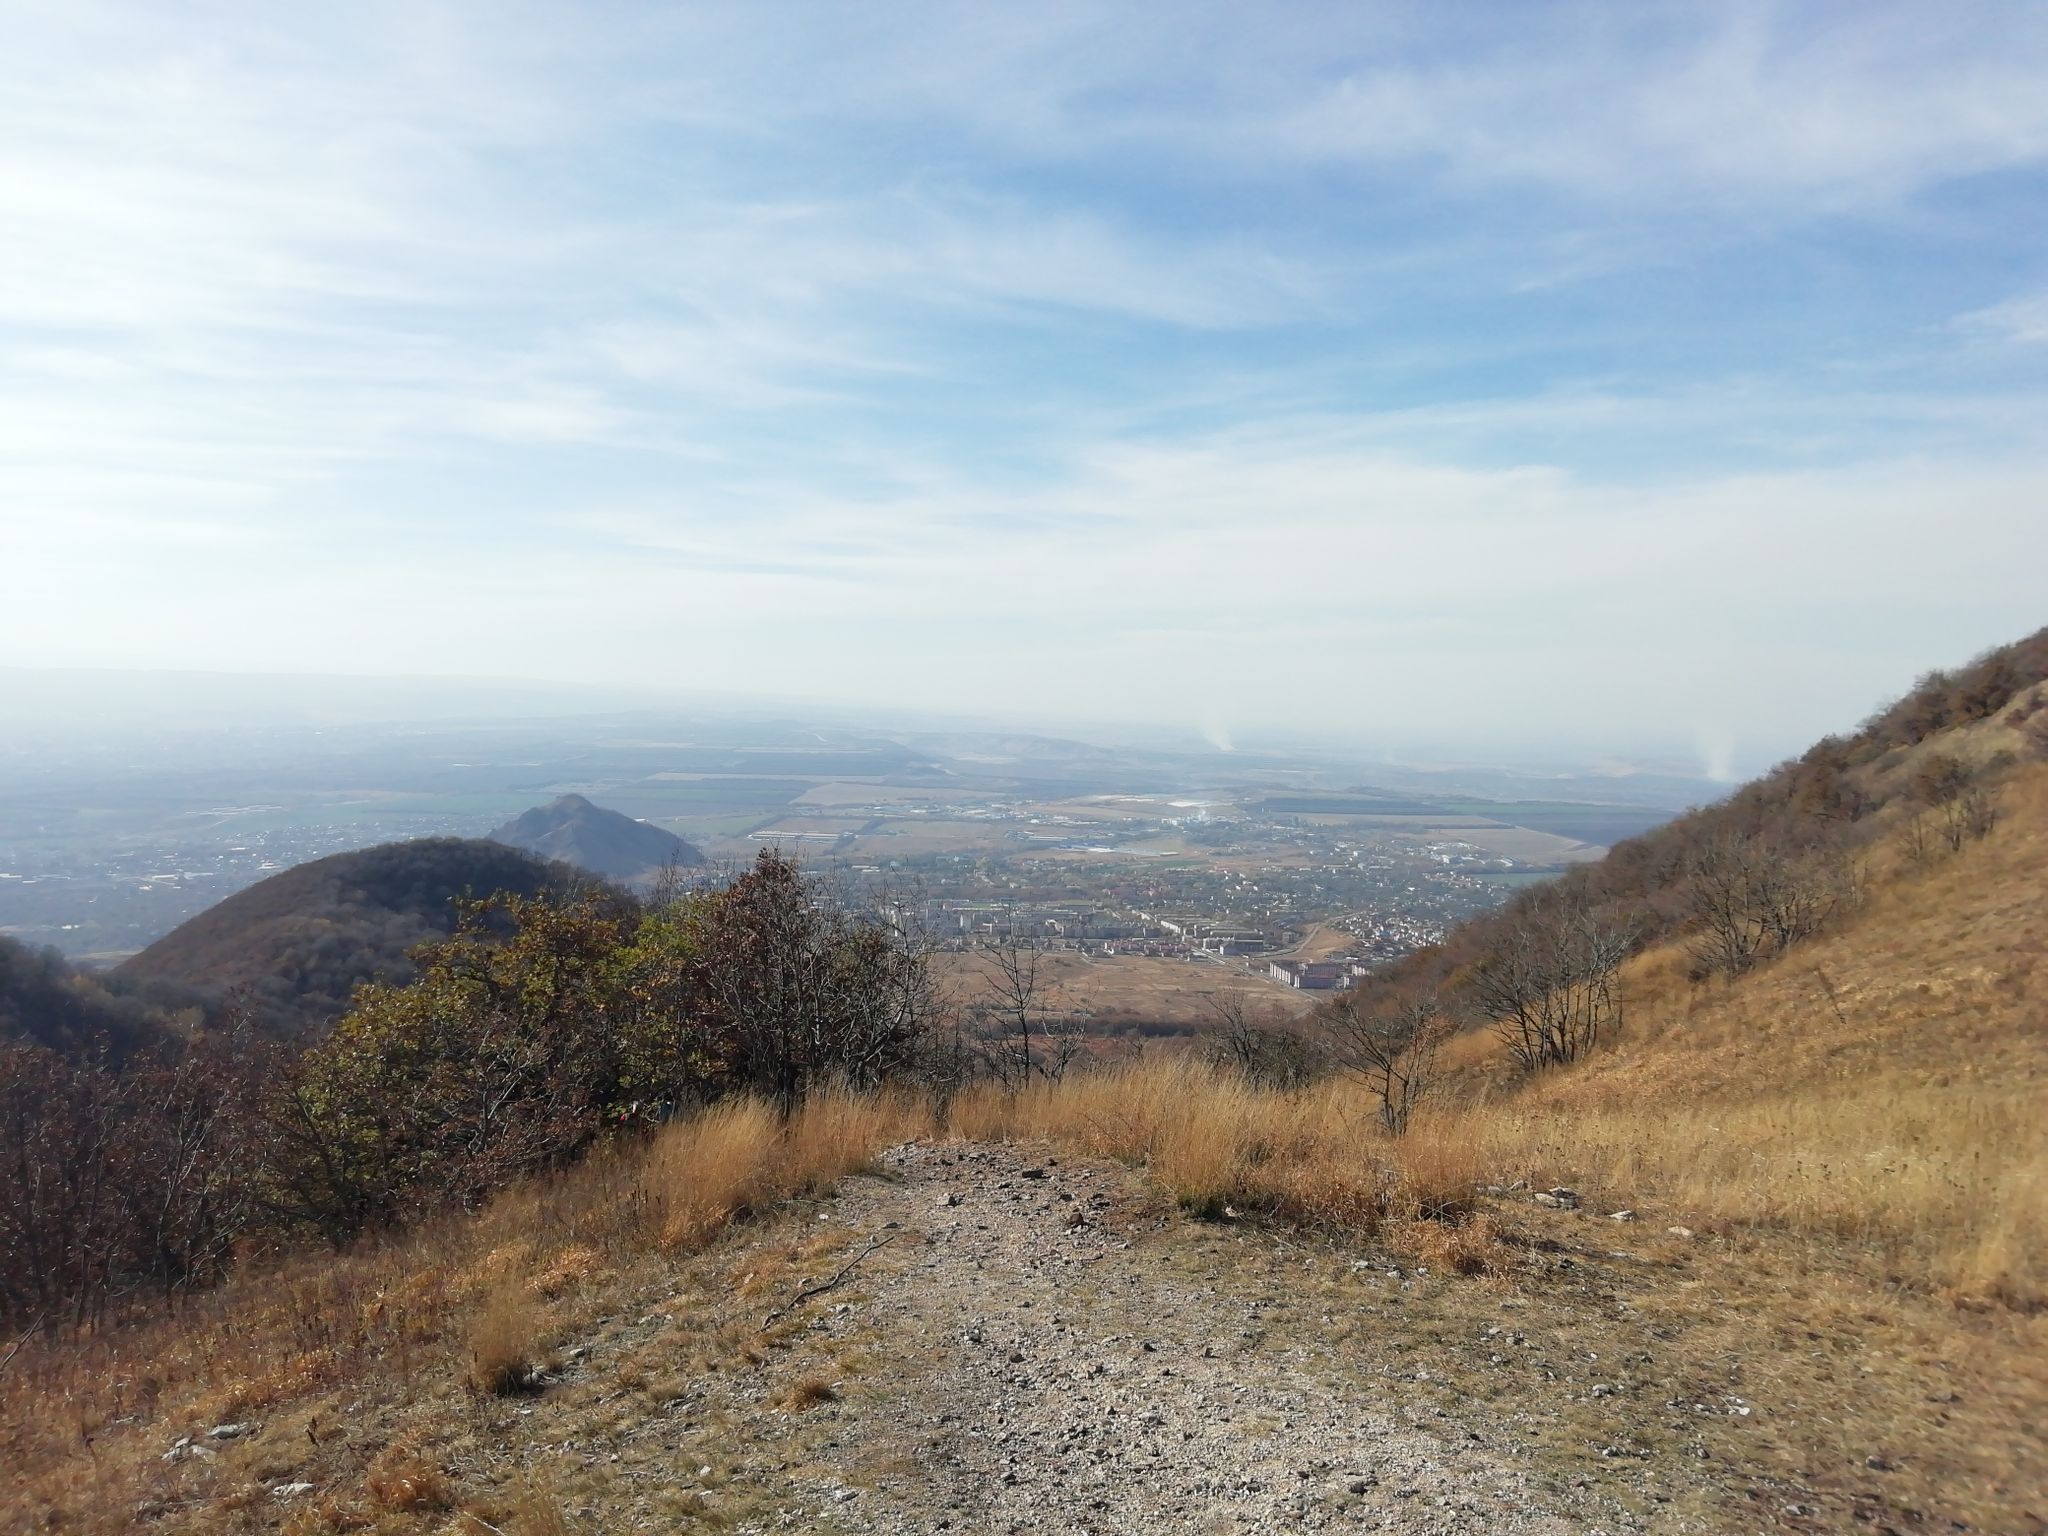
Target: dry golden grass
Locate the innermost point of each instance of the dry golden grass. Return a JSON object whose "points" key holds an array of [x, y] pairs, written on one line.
{"points": [[1945, 1187], [538, 1513], [808, 1392], [504, 1347], [405, 1481], [1880, 1089], [410, 1326], [1219, 1145]]}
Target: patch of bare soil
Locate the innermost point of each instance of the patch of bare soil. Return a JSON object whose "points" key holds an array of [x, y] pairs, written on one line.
{"points": [[1009, 1340], [1045, 1374]]}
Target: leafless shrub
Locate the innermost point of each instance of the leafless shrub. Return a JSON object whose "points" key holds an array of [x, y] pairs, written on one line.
{"points": [[1961, 797], [1264, 1052], [1549, 985], [1012, 964], [1751, 897], [123, 1179], [1919, 841], [1389, 1046]]}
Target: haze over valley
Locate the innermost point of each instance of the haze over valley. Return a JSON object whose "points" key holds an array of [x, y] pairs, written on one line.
{"points": [[1149, 857]]}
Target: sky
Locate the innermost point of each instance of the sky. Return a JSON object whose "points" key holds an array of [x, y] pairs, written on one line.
{"points": [[1532, 372]]}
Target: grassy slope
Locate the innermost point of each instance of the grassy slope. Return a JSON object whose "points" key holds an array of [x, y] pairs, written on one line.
{"points": [[370, 1375], [1883, 1082], [1838, 1167]]}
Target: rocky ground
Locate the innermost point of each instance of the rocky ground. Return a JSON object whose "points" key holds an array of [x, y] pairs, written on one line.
{"points": [[987, 1339], [1010, 1340], [1047, 1379]]}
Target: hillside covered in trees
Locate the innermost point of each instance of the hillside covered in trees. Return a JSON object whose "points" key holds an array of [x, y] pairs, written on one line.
{"points": [[47, 1001], [290, 950]]}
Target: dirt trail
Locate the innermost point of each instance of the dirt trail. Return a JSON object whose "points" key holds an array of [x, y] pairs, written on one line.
{"points": [[1042, 1374]]}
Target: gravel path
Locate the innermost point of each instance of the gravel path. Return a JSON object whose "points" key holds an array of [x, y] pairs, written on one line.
{"points": [[1041, 1377]]}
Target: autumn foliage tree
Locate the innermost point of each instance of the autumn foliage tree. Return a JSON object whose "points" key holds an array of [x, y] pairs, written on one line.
{"points": [[544, 1021], [1390, 1044]]}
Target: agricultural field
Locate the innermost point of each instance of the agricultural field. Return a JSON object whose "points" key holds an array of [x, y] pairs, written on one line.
{"points": [[96, 863], [1525, 845], [1136, 988]]}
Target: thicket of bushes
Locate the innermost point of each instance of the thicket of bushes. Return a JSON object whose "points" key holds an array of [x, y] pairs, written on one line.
{"points": [[538, 1026]]}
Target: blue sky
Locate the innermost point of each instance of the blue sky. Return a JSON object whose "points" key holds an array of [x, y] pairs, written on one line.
{"points": [[1550, 373]]}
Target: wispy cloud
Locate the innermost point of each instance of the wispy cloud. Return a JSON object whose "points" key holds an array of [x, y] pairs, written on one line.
{"points": [[2023, 319], [843, 345]]}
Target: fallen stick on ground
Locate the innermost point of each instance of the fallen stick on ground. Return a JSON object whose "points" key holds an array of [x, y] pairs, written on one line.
{"points": [[823, 1286], [15, 1348]]}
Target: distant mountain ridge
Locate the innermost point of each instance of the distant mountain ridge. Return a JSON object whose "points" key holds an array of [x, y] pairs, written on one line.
{"points": [[604, 842], [295, 946]]}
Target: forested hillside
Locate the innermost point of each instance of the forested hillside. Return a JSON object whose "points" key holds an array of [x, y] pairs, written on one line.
{"points": [[47, 1001], [290, 950]]}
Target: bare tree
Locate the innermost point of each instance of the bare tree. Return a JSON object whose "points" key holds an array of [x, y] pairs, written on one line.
{"points": [[1550, 986], [1958, 801], [1752, 897], [1262, 1051], [1012, 966], [1391, 1046]]}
